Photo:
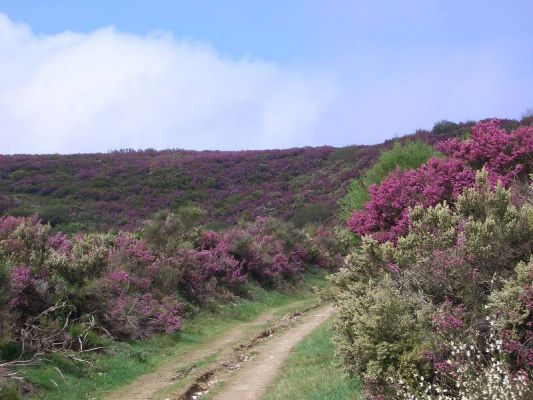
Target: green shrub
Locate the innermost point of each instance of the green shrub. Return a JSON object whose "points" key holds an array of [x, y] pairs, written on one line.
{"points": [[87, 260], [167, 231], [381, 331], [55, 214], [404, 156], [508, 303], [458, 253], [4, 279], [512, 309], [398, 302], [443, 128], [311, 214], [33, 237]]}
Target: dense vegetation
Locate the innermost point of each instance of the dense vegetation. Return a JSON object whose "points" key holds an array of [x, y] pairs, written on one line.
{"points": [[99, 249], [94, 192], [77, 289], [402, 156], [87, 291], [436, 301]]}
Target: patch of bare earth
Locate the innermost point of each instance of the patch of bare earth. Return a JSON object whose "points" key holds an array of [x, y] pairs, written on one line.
{"points": [[236, 353], [258, 369]]}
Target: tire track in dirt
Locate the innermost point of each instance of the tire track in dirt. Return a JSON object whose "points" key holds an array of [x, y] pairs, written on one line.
{"points": [[252, 379], [147, 386]]}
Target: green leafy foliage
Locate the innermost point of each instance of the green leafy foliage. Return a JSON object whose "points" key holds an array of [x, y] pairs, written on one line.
{"points": [[398, 302], [168, 231], [408, 155], [381, 330]]}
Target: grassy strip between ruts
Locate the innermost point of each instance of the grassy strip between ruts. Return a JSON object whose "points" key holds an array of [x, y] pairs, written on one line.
{"points": [[310, 373], [63, 378]]}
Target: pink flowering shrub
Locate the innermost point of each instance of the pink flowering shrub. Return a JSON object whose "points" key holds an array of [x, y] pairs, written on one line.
{"points": [[505, 156], [24, 256], [218, 263], [60, 242], [322, 248], [209, 240], [132, 250], [90, 274], [452, 268], [135, 284], [449, 318], [386, 215], [135, 317], [22, 282], [270, 251]]}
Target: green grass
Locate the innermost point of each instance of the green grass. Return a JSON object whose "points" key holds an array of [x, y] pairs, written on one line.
{"points": [[127, 360], [311, 373]]}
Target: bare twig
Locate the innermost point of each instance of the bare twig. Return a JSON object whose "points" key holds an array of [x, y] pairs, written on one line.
{"points": [[35, 359], [93, 349], [79, 359]]}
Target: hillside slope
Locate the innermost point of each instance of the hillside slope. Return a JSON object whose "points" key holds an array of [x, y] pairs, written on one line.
{"points": [[120, 189]]}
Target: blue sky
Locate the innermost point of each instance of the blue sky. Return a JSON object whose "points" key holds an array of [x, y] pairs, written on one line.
{"points": [[95, 75]]}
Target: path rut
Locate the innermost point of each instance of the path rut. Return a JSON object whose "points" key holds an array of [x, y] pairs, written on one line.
{"points": [[252, 380], [236, 341]]}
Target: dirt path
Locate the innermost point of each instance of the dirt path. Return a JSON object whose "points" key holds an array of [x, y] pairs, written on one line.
{"points": [[244, 336], [252, 380]]}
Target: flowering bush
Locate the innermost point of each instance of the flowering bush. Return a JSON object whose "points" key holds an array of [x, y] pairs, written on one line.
{"points": [[469, 373], [82, 259], [269, 251], [4, 309], [505, 156], [25, 241], [168, 231], [386, 215], [22, 282], [442, 243], [135, 317], [133, 285], [397, 302], [405, 156], [323, 248], [449, 319], [88, 275], [512, 307]]}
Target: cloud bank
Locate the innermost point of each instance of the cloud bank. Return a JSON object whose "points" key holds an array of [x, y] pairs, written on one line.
{"points": [[107, 90]]}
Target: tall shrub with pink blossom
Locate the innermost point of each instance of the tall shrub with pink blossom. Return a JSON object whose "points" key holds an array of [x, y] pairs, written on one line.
{"points": [[386, 215], [504, 155], [443, 277]]}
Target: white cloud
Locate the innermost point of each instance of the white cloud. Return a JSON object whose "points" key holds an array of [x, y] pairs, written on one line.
{"points": [[105, 90]]}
